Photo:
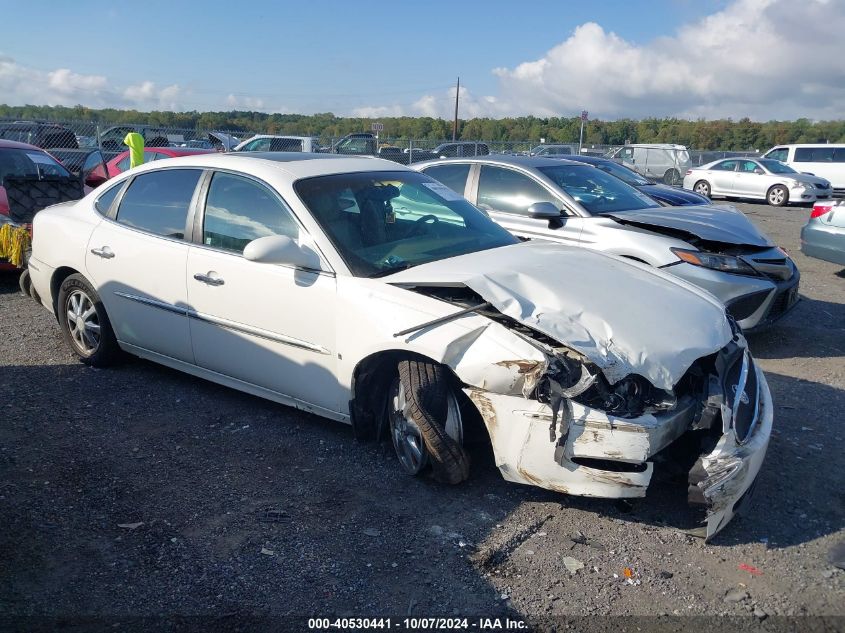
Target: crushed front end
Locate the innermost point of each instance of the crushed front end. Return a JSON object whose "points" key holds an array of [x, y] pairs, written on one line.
{"points": [[572, 431]]}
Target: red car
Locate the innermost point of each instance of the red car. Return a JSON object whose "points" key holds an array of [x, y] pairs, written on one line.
{"points": [[120, 163], [31, 179]]}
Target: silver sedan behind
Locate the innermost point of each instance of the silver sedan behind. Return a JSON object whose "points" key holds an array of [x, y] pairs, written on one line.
{"points": [[715, 248], [761, 179], [823, 237]]}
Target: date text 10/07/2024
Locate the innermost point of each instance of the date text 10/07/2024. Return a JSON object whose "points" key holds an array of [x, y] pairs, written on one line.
{"points": [[417, 624]]}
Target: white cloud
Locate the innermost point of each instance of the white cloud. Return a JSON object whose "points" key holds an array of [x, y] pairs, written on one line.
{"points": [[759, 58]]}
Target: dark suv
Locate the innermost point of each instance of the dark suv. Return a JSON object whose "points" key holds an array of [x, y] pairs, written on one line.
{"points": [[38, 133], [460, 149]]}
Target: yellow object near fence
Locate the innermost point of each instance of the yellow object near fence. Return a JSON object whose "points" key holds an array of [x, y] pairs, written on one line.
{"points": [[14, 242]]}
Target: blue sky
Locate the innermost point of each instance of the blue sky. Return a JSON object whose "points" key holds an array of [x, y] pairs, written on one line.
{"points": [[361, 57]]}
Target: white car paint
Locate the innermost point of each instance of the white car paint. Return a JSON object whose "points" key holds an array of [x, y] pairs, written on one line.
{"points": [[297, 336]]}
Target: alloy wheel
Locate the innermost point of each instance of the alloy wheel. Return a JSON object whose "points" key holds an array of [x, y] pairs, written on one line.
{"points": [[83, 322]]}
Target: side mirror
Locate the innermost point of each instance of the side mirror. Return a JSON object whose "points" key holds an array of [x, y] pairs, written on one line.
{"points": [[280, 249], [757, 170], [543, 211]]}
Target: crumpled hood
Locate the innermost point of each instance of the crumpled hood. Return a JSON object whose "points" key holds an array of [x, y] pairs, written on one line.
{"points": [[625, 317], [711, 223]]}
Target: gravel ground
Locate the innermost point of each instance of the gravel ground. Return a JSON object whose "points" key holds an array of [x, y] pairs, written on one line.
{"points": [[140, 491]]}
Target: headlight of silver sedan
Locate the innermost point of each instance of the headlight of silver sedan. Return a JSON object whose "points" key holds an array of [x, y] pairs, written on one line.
{"points": [[714, 261], [799, 185]]}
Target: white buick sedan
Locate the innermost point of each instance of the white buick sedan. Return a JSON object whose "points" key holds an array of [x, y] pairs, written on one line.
{"points": [[368, 293]]}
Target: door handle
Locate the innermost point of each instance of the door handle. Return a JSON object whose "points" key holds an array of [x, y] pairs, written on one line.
{"points": [[105, 252], [208, 279]]}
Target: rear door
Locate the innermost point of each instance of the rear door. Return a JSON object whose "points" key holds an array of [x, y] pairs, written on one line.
{"points": [[269, 325], [506, 195], [722, 176], [137, 261]]}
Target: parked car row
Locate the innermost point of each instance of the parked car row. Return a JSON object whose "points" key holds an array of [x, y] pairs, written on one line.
{"points": [[369, 293]]}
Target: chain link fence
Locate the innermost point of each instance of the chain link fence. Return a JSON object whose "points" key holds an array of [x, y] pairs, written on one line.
{"points": [[653, 161]]}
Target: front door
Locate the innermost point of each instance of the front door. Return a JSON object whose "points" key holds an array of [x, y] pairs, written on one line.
{"points": [[138, 260], [266, 324], [506, 195]]}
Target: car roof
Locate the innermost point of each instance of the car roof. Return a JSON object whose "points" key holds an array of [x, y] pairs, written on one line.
{"points": [[295, 164], [4, 144], [592, 160], [834, 145], [508, 159], [657, 145], [251, 138]]}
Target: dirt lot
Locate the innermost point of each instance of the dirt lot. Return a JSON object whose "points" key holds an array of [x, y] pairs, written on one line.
{"points": [[140, 491]]}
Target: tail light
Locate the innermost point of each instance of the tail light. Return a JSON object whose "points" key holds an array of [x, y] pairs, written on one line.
{"points": [[820, 208], [689, 171]]}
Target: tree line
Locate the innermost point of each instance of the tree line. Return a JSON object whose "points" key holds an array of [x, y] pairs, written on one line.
{"points": [[721, 134]]}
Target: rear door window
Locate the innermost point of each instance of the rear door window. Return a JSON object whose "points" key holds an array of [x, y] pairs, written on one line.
{"points": [[286, 145], [157, 202], [506, 190], [453, 176], [814, 155]]}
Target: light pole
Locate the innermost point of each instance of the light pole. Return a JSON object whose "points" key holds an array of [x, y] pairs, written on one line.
{"points": [[584, 115]]}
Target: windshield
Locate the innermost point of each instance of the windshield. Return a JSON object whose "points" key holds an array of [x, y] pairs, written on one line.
{"points": [[623, 173], [382, 222], [29, 162], [776, 167], [596, 190]]}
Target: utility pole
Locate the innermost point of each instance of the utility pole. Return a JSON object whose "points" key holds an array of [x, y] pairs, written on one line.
{"points": [[584, 115], [455, 123]]}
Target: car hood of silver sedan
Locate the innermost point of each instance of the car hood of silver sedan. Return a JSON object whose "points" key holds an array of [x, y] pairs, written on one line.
{"points": [[810, 179], [710, 223], [625, 317]]}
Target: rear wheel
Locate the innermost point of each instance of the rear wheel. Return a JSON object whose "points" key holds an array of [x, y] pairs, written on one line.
{"points": [[425, 422], [702, 187], [25, 282], [672, 177], [777, 196], [85, 325]]}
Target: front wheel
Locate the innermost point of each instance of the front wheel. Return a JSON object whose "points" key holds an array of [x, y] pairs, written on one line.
{"points": [[702, 187], [425, 422], [85, 325], [777, 196]]}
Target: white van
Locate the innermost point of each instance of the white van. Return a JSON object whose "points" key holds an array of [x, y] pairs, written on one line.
{"points": [[663, 162], [820, 159], [275, 143]]}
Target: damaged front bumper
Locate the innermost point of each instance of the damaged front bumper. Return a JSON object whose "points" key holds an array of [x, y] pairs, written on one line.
{"points": [[606, 456]]}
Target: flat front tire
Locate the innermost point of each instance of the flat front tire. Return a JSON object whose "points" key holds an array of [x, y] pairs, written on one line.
{"points": [[85, 325], [425, 422]]}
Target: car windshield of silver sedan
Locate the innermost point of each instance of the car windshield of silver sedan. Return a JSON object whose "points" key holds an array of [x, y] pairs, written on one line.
{"points": [[777, 167], [596, 190], [383, 222]]}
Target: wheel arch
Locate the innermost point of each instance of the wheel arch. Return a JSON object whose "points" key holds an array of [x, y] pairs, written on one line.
{"points": [[371, 380], [59, 275]]}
